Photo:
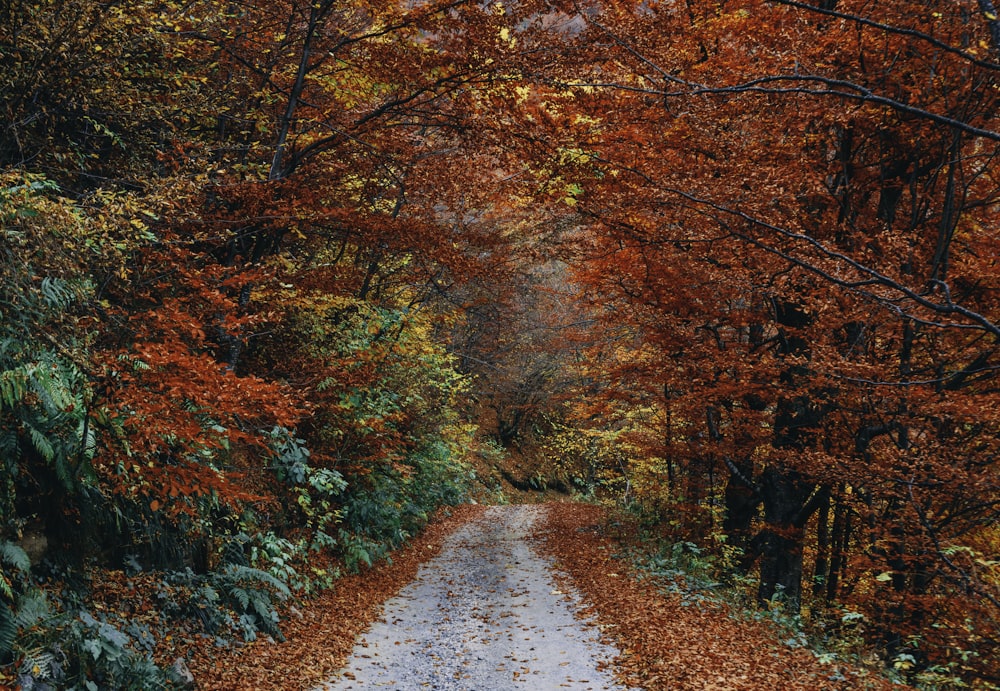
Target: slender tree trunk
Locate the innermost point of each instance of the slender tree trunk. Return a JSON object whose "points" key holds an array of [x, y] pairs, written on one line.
{"points": [[668, 442], [821, 570], [949, 215], [840, 535], [316, 13]]}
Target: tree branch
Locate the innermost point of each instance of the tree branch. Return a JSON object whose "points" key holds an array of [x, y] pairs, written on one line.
{"points": [[901, 31]]}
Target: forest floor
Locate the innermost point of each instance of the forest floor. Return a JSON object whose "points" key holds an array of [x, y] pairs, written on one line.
{"points": [[661, 642]]}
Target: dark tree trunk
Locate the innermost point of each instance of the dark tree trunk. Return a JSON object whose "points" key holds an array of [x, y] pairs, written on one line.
{"points": [[788, 499], [741, 500], [839, 535], [784, 496], [821, 570]]}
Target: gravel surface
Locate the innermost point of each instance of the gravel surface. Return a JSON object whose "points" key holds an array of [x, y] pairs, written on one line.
{"points": [[484, 615]]}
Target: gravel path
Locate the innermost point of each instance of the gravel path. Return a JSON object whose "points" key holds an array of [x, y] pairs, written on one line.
{"points": [[484, 615]]}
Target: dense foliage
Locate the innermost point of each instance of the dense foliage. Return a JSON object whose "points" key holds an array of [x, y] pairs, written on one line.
{"points": [[790, 216], [265, 267], [222, 353]]}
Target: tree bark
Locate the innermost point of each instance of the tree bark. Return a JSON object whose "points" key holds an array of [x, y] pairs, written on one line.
{"points": [[839, 537], [821, 570], [781, 564], [741, 501]]}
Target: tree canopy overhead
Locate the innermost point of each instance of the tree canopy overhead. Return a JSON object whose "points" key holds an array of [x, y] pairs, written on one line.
{"points": [[270, 271]]}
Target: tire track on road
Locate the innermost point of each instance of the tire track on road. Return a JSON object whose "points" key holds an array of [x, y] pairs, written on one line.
{"points": [[484, 615]]}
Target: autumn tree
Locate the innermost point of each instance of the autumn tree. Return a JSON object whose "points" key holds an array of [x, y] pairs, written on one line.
{"points": [[791, 204], [268, 259], [246, 350]]}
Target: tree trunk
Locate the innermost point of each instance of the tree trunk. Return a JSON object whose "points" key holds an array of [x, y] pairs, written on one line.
{"points": [[821, 570], [741, 500], [839, 536], [780, 542]]}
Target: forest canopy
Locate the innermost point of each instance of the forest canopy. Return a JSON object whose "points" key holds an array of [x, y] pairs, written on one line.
{"points": [[280, 278]]}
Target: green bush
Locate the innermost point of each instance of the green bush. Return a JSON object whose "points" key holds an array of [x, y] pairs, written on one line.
{"points": [[233, 600]]}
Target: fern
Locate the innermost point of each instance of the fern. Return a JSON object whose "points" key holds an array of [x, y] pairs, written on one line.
{"points": [[241, 596], [8, 631], [37, 663], [238, 573], [41, 443], [46, 387], [208, 594], [58, 383], [8, 445], [57, 293], [249, 592], [21, 610], [17, 559], [32, 608], [13, 387], [12, 555], [262, 606], [48, 399]]}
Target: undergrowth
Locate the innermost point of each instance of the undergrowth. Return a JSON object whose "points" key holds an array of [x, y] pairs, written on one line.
{"points": [[707, 577]]}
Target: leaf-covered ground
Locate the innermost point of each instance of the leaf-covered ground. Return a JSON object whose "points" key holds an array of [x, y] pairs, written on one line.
{"points": [[665, 644], [321, 636]]}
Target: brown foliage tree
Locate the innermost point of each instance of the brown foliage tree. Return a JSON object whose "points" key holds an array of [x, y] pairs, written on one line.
{"points": [[792, 205]]}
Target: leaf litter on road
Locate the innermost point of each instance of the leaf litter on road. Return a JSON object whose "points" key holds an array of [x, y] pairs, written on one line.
{"points": [[664, 644]]}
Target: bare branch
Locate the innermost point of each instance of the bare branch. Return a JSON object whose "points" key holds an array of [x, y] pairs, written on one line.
{"points": [[868, 276], [840, 88], [901, 31]]}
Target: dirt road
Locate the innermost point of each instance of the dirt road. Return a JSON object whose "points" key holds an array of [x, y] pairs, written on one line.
{"points": [[483, 615]]}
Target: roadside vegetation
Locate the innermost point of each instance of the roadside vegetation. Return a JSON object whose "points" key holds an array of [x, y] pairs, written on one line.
{"points": [[279, 280]]}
